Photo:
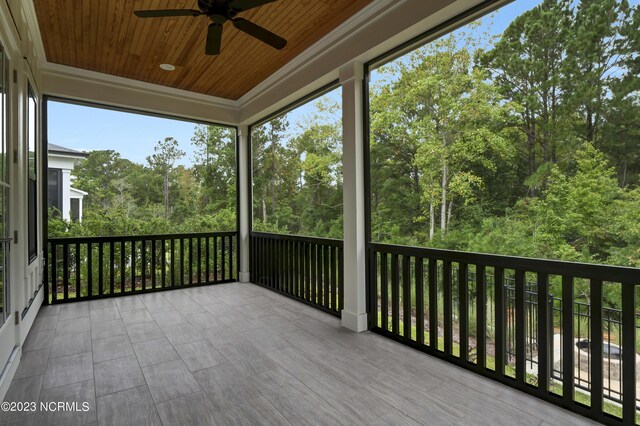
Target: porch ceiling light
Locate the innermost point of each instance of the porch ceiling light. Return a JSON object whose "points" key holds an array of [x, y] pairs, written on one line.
{"points": [[167, 67]]}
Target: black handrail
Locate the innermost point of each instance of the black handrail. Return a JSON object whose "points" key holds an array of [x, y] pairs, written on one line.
{"points": [[308, 269], [87, 268], [496, 315], [553, 267], [332, 242]]}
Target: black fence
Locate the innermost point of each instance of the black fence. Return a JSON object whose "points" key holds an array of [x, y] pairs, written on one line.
{"points": [[305, 268], [95, 267], [611, 323], [498, 316]]}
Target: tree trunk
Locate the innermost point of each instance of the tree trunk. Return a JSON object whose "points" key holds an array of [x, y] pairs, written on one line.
{"points": [[264, 211], [165, 190], [432, 220], [443, 201]]}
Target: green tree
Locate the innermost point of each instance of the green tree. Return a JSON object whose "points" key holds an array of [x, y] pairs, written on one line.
{"points": [[167, 152], [526, 64]]}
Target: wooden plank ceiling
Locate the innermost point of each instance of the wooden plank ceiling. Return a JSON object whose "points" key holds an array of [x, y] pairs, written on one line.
{"points": [[105, 36]]}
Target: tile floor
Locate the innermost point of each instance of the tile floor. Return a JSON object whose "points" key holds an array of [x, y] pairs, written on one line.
{"points": [[239, 354]]}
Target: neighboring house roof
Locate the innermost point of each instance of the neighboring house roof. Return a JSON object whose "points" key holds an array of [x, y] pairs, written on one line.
{"points": [[57, 149], [79, 193]]}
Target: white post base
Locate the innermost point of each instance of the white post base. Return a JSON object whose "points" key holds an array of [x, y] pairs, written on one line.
{"points": [[354, 322], [244, 277]]}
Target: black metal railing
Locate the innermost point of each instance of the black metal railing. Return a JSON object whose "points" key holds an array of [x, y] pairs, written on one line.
{"points": [[305, 268], [95, 267], [500, 315]]}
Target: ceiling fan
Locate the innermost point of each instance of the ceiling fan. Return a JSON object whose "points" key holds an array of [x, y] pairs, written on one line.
{"points": [[219, 12]]}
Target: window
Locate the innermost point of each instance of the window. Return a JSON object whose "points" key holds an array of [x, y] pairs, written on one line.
{"points": [[297, 169], [54, 191], [75, 209], [33, 174]]}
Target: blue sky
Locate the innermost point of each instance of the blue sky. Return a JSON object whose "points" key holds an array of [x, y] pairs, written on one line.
{"points": [[134, 136]]}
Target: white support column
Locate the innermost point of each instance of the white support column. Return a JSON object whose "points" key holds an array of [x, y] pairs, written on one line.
{"points": [[66, 194], [245, 226], [354, 314]]}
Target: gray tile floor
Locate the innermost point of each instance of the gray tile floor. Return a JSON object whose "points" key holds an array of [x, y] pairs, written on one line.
{"points": [[243, 355]]}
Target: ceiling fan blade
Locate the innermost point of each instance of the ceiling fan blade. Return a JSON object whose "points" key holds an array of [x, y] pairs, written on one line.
{"points": [[242, 5], [166, 12], [260, 33], [214, 39]]}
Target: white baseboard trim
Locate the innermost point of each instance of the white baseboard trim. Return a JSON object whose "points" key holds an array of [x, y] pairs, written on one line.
{"points": [[354, 322]]}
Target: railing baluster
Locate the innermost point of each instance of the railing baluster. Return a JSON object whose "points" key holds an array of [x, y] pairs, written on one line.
{"points": [[223, 256], [296, 268], [334, 277], [199, 264], [596, 347], [447, 292], [326, 276], [290, 267], [123, 266], [498, 281], [341, 278], [172, 245], [314, 278], [163, 254], [384, 292], [307, 271], [395, 295], [207, 257], [154, 253], [406, 296], [111, 268], [433, 303], [100, 269], [628, 353], [78, 273], [521, 319], [231, 254], [318, 278], [481, 317], [463, 310], [215, 259], [133, 266], [54, 273], [567, 339], [65, 270], [278, 265], [544, 319], [190, 269], [89, 270], [181, 261], [419, 300], [143, 262]]}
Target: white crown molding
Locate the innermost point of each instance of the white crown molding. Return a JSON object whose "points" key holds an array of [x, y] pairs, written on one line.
{"points": [[109, 79]]}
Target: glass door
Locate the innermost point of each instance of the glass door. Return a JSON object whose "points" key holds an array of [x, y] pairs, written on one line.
{"points": [[7, 323]]}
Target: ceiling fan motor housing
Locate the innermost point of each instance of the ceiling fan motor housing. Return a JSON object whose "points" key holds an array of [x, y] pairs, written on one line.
{"points": [[218, 11]]}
